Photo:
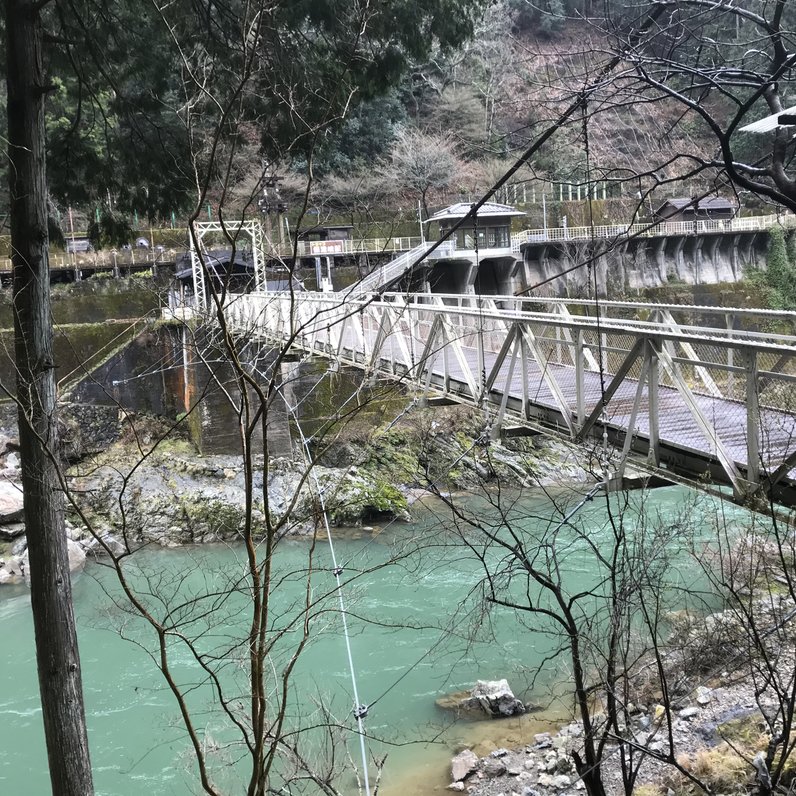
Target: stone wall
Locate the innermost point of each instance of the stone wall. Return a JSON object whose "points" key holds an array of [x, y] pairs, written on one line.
{"points": [[83, 428]]}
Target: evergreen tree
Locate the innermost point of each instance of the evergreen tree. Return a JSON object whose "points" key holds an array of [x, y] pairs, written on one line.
{"points": [[780, 273]]}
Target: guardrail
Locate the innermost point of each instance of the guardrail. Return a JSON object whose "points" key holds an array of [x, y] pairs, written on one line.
{"points": [[103, 260], [746, 224], [321, 248]]}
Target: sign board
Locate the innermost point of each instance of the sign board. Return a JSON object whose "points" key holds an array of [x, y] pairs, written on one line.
{"points": [[320, 247]]}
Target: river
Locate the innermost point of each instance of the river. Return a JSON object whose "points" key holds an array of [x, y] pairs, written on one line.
{"points": [[399, 612]]}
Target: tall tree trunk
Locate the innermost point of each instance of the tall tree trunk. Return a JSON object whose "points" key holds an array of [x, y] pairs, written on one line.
{"points": [[51, 591]]}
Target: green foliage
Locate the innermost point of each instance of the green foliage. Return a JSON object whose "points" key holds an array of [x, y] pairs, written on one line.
{"points": [[112, 230], [545, 18], [460, 112], [780, 275], [364, 137], [790, 248], [154, 103], [366, 499], [394, 455]]}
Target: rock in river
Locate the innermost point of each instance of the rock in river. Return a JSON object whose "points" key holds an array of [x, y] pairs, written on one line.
{"points": [[491, 697], [463, 765], [496, 698]]}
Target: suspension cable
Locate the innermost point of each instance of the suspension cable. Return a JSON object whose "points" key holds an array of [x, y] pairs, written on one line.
{"points": [[360, 711]]}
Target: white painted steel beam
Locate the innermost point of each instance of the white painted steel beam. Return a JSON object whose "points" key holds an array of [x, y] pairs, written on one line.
{"points": [[439, 347]]}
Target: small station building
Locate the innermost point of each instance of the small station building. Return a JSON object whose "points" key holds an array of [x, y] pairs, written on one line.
{"points": [[709, 208], [478, 257]]}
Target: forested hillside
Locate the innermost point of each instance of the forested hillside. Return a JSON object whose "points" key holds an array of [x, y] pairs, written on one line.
{"points": [[674, 94], [446, 103]]}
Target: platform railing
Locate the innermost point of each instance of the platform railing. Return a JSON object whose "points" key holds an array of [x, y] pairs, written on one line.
{"points": [[661, 229]]}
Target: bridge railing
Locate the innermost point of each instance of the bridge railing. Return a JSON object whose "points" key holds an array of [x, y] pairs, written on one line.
{"points": [[662, 229], [739, 319], [320, 248], [706, 341], [655, 385], [109, 260]]}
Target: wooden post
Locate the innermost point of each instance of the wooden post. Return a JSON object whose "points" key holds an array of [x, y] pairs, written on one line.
{"points": [[654, 454], [752, 417]]}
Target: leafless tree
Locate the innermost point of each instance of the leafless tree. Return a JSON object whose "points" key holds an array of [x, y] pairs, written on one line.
{"points": [[422, 163], [721, 66]]}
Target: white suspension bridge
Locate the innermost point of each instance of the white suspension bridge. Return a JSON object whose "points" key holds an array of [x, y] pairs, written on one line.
{"points": [[692, 392], [699, 393]]}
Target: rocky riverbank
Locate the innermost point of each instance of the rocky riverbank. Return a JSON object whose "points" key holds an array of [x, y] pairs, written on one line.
{"points": [[144, 489], [731, 680], [705, 727]]}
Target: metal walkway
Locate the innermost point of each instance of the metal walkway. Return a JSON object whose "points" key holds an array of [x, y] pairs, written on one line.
{"points": [[707, 393]]}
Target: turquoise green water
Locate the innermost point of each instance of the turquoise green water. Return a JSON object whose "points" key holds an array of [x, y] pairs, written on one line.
{"points": [[410, 635]]}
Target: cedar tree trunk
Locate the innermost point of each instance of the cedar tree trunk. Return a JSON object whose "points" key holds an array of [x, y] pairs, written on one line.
{"points": [[51, 592]]}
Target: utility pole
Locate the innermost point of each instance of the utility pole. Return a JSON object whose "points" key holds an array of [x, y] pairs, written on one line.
{"points": [[272, 203]]}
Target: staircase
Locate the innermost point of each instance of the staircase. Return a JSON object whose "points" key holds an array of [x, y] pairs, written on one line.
{"points": [[383, 276]]}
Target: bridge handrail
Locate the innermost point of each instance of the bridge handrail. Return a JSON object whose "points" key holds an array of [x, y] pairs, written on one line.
{"points": [[321, 248], [661, 229], [604, 304], [384, 274], [330, 305]]}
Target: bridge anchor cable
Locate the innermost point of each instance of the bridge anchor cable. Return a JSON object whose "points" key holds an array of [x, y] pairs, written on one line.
{"points": [[360, 710]]}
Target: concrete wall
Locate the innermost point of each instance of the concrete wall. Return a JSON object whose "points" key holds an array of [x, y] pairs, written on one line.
{"points": [[557, 269]]}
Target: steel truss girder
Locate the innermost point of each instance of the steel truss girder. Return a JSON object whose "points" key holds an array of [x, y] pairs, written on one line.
{"points": [[384, 338], [196, 235]]}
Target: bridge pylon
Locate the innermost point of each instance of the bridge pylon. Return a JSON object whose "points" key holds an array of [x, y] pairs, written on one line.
{"points": [[232, 231]]}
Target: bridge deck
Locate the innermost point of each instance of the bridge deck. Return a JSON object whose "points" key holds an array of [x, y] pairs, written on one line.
{"points": [[694, 400], [677, 428]]}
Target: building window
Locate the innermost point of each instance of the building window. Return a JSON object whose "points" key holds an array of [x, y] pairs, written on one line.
{"points": [[498, 238]]}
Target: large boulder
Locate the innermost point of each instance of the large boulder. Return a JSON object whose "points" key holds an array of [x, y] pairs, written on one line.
{"points": [[77, 555], [11, 531], [15, 569], [492, 698], [10, 502], [463, 765], [496, 699]]}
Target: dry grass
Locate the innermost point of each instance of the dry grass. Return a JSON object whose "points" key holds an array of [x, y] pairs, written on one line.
{"points": [[721, 769], [746, 734], [649, 790]]}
